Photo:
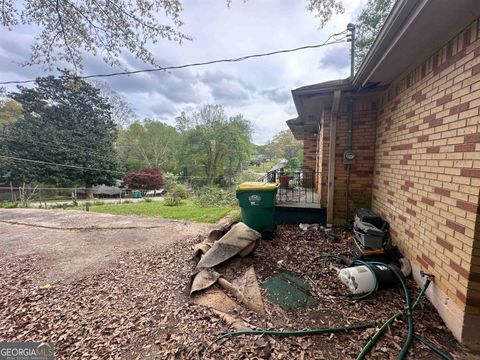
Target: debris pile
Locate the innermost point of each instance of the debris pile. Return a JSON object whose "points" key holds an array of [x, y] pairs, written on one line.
{"points": [[140, 308]]}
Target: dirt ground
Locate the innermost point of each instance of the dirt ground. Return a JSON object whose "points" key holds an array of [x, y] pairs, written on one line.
{"points": [[129, 299], [70, 244]]}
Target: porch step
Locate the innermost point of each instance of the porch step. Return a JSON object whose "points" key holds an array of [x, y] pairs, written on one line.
{"points": [[300, 213]]}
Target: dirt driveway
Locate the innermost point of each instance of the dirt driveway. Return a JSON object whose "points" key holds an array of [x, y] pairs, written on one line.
{"points": [[70, 244]]}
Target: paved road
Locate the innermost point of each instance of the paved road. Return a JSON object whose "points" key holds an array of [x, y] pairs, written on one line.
{"points": [[68, 244]]}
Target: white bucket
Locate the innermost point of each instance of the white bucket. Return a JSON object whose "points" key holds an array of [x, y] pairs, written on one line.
{"points": [[359, 279]]}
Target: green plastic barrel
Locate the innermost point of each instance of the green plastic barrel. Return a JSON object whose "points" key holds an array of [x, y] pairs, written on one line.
{"points": [[136, 194], [257, 206]]}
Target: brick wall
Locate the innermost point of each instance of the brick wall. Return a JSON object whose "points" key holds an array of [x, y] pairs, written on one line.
{"points": [[427, 166], [363, 144], [309, 151]]}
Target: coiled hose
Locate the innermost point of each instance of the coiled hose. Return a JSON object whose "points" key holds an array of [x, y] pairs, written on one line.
{"points": [[408, 312]]}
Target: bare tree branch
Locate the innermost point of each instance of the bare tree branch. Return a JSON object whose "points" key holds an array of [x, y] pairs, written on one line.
{"points": [[60, 19], [94, 26]]}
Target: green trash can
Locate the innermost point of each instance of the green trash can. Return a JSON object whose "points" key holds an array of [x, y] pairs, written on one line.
{"points": [[257, 204], [136, 194]]}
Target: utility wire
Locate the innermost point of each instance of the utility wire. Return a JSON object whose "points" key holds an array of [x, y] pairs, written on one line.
{"points": [[54, 144], [63, 165], [177, 67], [86, 167], [63, 145]]}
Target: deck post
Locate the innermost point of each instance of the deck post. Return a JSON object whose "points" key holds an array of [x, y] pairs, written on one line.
{"points": [[331, 156]]}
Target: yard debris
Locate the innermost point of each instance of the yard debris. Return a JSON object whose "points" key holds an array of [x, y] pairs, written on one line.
{"points": [[289, 292], [203, 279], [216, 299], [139, 309], [332, 236], [248, 286], [233, 321], [245, 289], [239, 240], [306, 227], [223, 306]]}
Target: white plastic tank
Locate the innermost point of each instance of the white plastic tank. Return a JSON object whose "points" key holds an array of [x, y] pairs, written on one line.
{"points": [[358, 279]]}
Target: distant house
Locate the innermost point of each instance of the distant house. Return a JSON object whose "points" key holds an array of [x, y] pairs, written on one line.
{"points": [[407, 144]]}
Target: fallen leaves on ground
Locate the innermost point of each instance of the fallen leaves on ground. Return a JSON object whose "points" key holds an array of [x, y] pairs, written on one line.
{"points": [[138, 308]]}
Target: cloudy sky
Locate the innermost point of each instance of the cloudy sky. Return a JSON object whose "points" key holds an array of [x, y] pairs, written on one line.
{"points": [[258, 88]]}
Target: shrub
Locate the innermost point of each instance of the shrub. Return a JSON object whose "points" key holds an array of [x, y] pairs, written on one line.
{"points": [[294, 163], [171, 200], [169, 181], [247, 175], [145, 179], [9, 205], [211, 196], [236, 216], [175, 197], [181, 191], [147, 200]]}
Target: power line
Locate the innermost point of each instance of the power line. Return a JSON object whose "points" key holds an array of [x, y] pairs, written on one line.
{"points": [[57, 145], [53, 144], [177, 67], [88, 168], [63, 165]]}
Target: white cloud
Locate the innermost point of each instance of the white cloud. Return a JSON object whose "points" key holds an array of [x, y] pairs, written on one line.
{"points": [[258, 88]]}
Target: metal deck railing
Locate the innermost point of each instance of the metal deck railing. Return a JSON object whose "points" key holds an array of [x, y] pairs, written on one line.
{"points": [[293, 186]]}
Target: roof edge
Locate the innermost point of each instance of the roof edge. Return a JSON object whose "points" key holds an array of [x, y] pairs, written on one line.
{"points": [[401, 12]]}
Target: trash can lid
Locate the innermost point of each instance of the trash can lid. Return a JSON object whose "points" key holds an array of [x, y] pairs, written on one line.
{"points": [[253, 185]]}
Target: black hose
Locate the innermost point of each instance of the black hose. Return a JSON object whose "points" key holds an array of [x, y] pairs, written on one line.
{"points": [[432, 347], [408, 312], [343, 329]]}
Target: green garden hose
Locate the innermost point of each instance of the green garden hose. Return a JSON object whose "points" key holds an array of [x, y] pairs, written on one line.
{"points": [[293, 332], [432, 347], [408, 312], [297, 332]]}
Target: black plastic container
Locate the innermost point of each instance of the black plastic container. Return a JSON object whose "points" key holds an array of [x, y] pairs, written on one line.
{"points": [[368, 216], [385, 277]]}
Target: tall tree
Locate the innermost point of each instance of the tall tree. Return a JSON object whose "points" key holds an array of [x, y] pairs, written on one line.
{"points": [[10, 111], [149, 144], [67, 122], [213, 144], [71, 28], [283, 145], [369, 23], [122, 112]]}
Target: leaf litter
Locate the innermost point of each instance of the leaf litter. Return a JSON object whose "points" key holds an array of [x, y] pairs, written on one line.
{"points": [[139, 308]]}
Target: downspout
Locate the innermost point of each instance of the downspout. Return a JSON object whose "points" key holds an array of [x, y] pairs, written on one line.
{"points": [[348, 151], [331, 157], [349, 156]]}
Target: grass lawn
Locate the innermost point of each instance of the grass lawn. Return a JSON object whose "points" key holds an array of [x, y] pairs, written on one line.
{"points": [[187, 210]]}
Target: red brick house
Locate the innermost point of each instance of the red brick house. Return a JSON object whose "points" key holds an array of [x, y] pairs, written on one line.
{"points": [[410, 116]]}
